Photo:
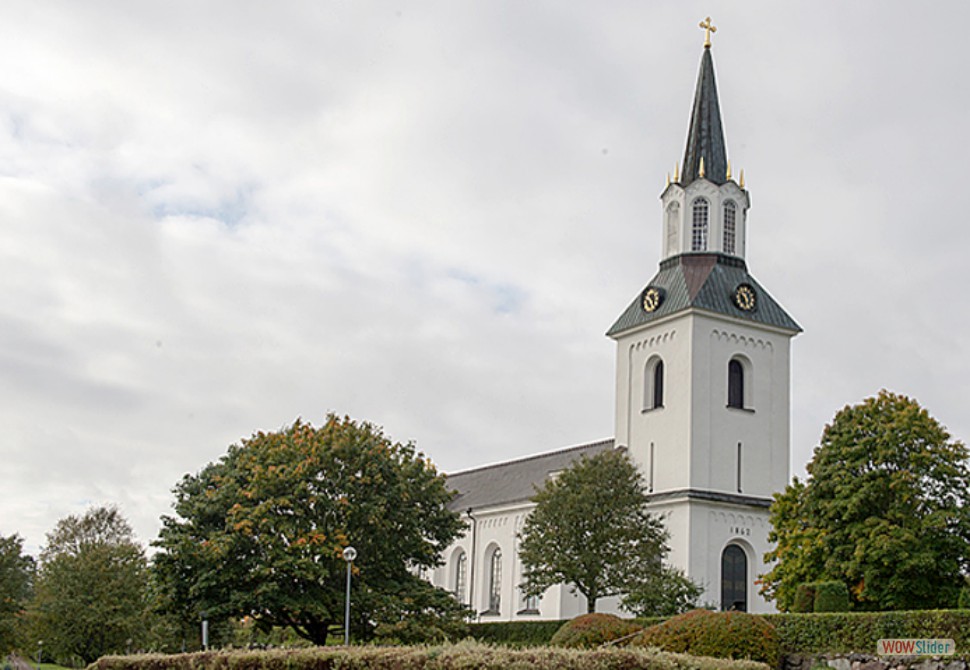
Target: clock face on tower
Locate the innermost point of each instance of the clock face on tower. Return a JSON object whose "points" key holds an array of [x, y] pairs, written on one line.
{"points": [[745, 297], [652, 298]]}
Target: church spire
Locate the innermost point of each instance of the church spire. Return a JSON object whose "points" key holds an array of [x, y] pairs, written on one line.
{"points": [[705, 138]]}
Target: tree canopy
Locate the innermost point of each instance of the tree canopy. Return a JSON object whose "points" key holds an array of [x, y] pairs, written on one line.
{"points": [[91, 593], [261, 532], [884, 510], [16, 576], [591, 528]]}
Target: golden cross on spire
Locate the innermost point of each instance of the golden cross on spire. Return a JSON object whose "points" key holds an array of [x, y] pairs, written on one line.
{"points": [[708, 29]]}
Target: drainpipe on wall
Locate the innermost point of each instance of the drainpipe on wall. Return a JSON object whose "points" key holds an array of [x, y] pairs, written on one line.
{"points": [[471, 566]]}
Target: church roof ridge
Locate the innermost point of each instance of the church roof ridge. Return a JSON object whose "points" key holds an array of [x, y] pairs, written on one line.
{"points": [[514, 481], [533, 457]]}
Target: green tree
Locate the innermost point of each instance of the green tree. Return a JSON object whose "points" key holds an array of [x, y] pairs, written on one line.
{"points": [[16, 576], [91, 591], [883, 510], [261, 532], [591, 529]]}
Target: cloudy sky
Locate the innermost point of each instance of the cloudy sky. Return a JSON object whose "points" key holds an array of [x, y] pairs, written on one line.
{"points": [[216, 217]]}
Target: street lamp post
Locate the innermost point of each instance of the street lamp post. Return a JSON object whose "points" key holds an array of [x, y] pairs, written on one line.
{"points": [[349, 555], [40, 652]]}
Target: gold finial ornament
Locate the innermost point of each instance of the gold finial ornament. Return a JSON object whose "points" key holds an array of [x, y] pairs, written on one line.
{"points": [[676, 173], [741, 183], [728, 175], [708, 29], [700, 170], [668, 179]]}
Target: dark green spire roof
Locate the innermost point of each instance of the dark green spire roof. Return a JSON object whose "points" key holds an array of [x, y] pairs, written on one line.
{"points": [[705, 138], [706, 282]]}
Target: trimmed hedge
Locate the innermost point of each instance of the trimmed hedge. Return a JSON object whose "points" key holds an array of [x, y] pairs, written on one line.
{"points": [[736, 635], [593, 630], [833, 632], [515, 633], [464, 656], [846, 632]]}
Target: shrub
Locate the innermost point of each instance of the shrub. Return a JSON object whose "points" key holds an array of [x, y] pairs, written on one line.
{"points": [[964, 602], [831, 597], [593, 630], [736, 635], [463, 656], [804, 598]]}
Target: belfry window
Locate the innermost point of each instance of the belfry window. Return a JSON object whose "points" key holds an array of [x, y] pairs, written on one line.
{"points": [[730, 227], [698, 240], [673, 223], [735, 384], [734, 579], [495, 582]]}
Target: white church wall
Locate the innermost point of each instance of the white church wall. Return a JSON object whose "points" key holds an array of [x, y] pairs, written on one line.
{"points": [[498, 528], [656, 437], [761, 428], [742, 526]]}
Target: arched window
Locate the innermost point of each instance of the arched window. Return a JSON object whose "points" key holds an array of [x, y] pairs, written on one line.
{"points": [[734, 579], [653, 384], [698, 240], [461, 577], [495, 582], [735, 384], [730, 226], [673, 223]]}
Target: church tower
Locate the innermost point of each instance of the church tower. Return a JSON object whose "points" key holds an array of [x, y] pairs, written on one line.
{"points": [[703, 361]]}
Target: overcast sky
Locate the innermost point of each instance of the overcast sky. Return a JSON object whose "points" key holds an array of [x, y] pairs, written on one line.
{"points": [[216, 217]]}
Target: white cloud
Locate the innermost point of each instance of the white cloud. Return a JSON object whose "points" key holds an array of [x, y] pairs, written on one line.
{"points": [[216, 218]]}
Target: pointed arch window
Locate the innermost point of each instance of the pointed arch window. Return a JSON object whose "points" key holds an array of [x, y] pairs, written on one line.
{"points": [[495, 582], [700, 216], [734, 579], [461, 577], [730, 227], [653, 384], [735, 384]]}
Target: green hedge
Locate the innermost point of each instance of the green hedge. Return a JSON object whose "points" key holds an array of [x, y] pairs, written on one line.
{"points": [[845, 632], [464, 656], [515, 633]]}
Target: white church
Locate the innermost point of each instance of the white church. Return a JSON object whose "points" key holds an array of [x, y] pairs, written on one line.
{"points": [[702, 406]]}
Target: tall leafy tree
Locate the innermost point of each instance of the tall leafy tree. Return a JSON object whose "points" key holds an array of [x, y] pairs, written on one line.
{"points": [[591, 528], [884, 509], [16, 576], [261, 532], [91, 590]]}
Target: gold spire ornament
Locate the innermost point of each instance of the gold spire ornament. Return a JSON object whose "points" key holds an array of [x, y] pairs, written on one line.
{"points": [[668, 179], [728, 175], [676, 173], [741, 183], [700, 170], [708, 29]]}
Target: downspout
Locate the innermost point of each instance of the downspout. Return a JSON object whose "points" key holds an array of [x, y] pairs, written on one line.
{"points": [[471, 565]]}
